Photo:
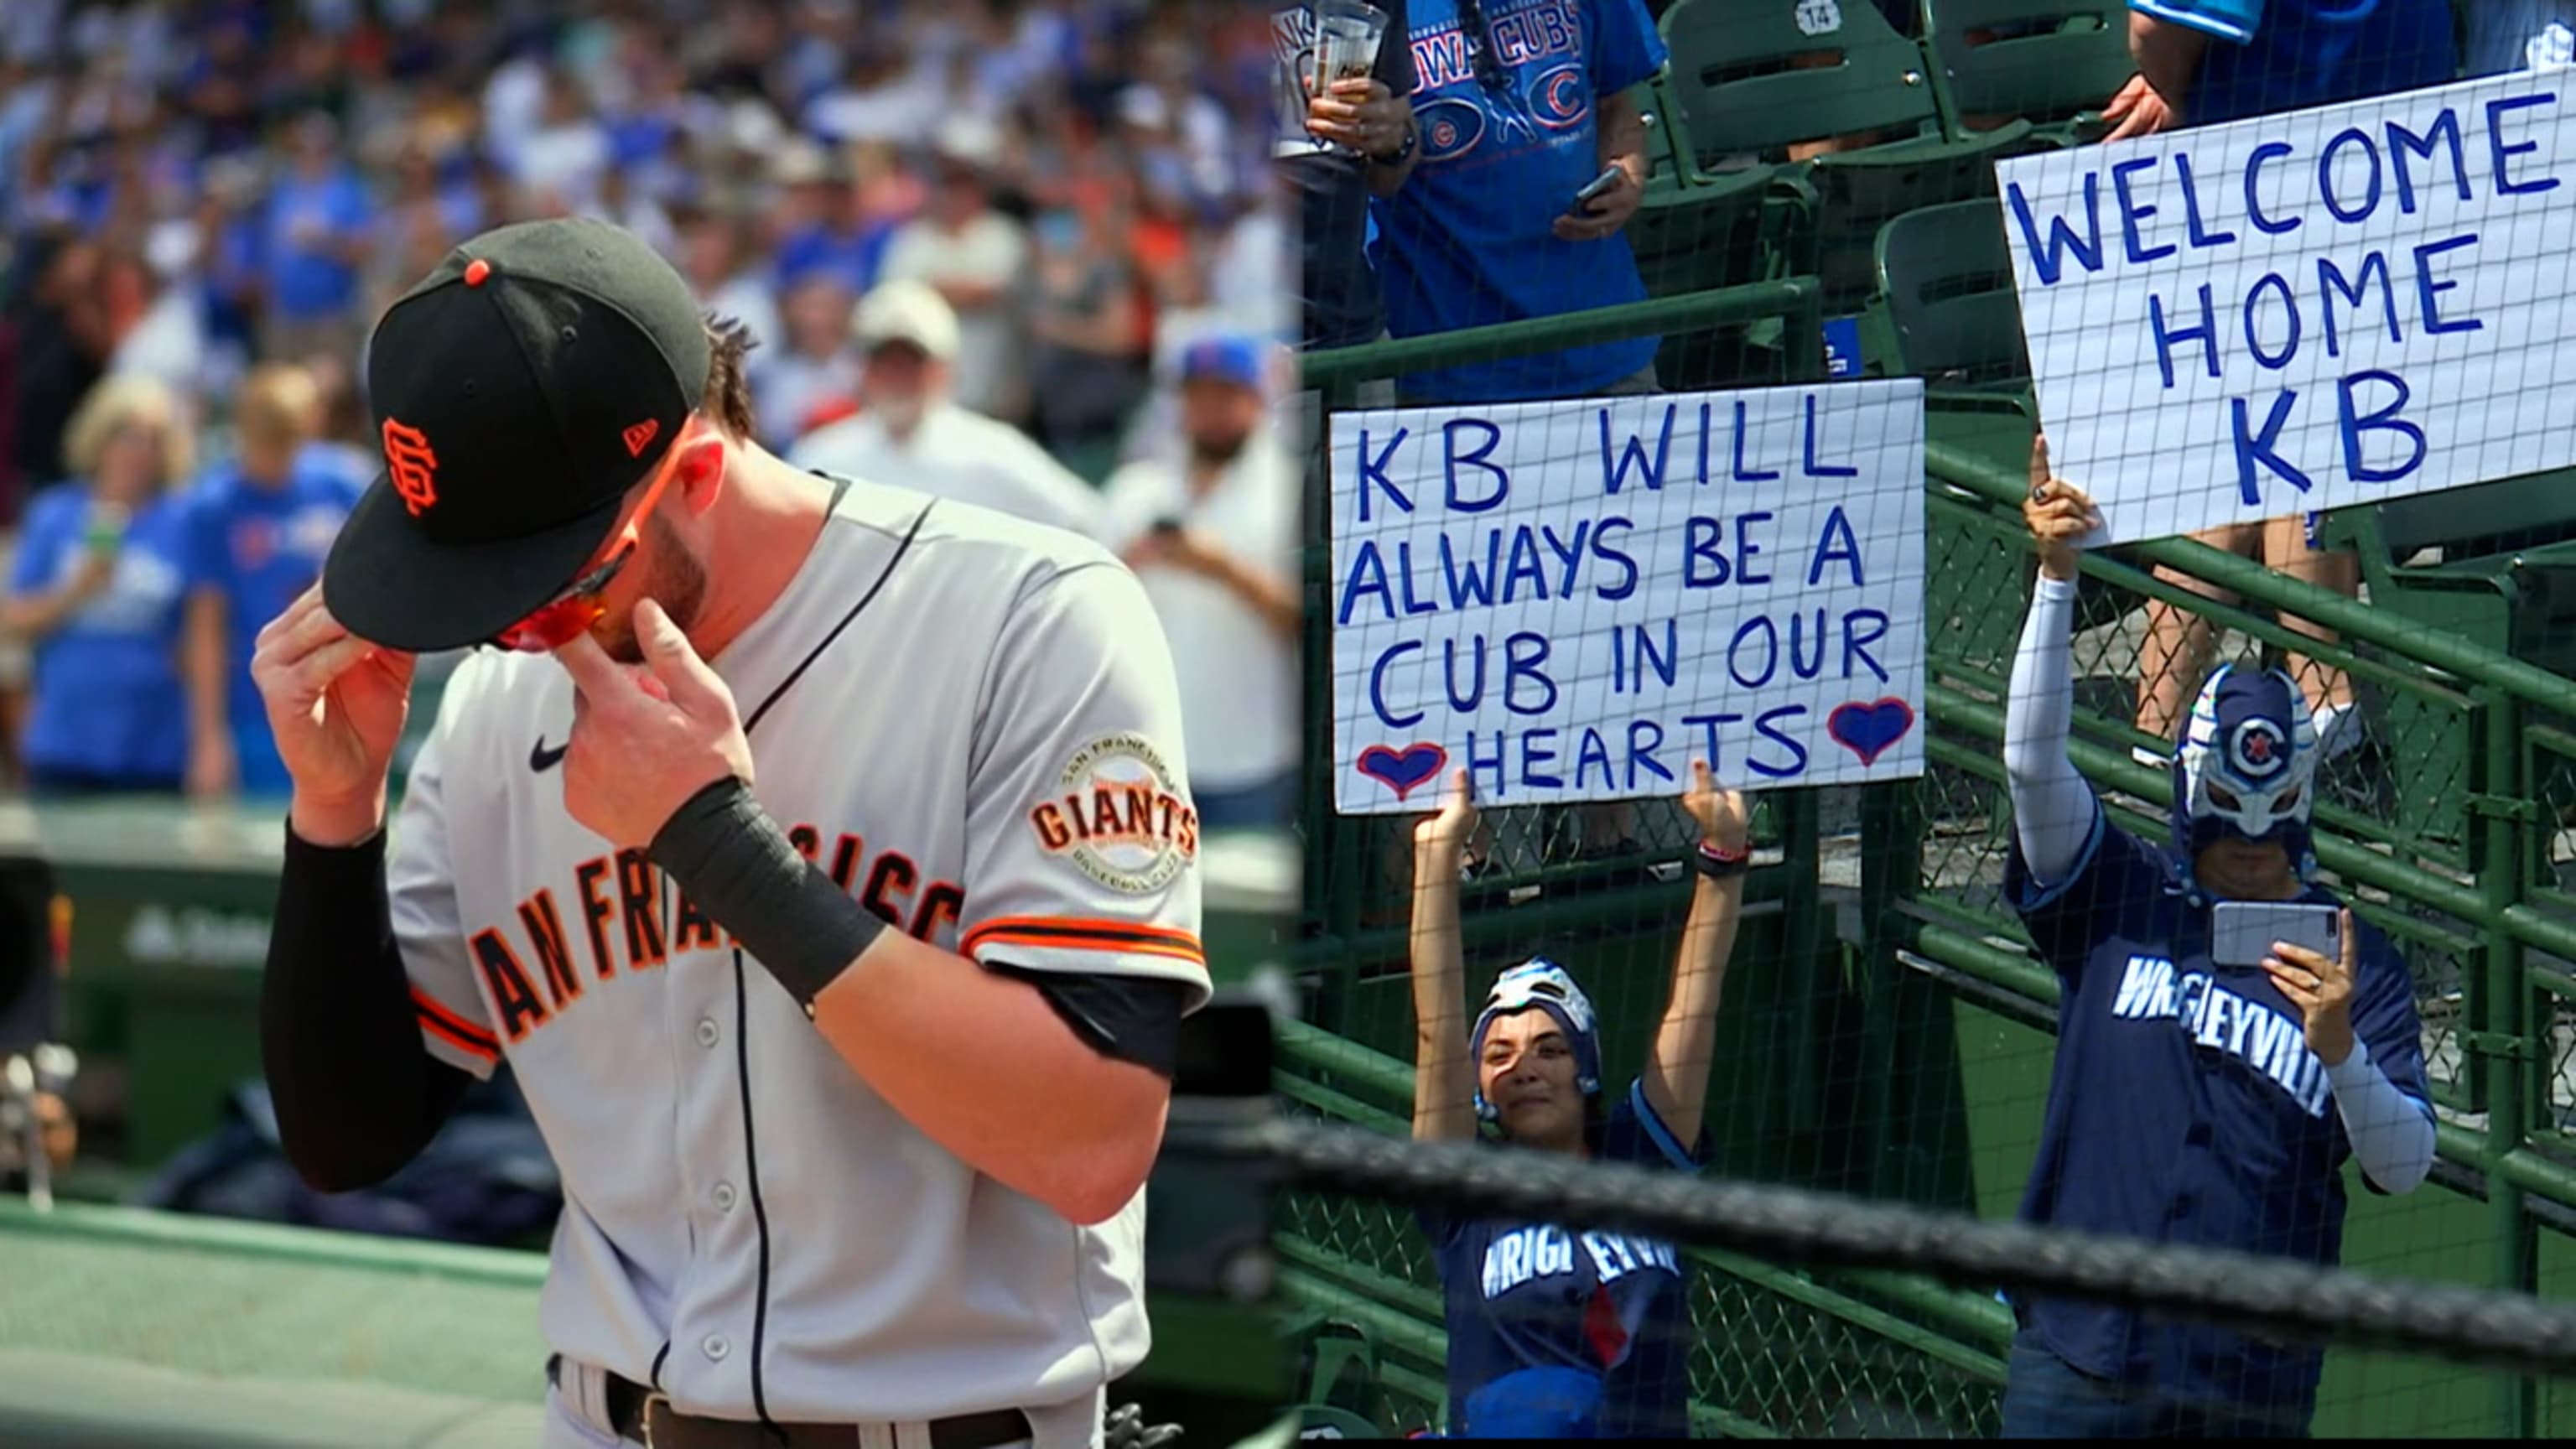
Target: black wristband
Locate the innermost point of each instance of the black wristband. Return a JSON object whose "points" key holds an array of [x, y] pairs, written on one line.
{"points": [[1721, 867], [739, 869]]}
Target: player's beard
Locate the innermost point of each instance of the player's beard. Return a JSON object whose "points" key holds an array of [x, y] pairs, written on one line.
{"points": [[673, 578]]}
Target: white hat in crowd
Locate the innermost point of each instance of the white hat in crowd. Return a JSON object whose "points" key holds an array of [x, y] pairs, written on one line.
{"points": [[909, 312]]}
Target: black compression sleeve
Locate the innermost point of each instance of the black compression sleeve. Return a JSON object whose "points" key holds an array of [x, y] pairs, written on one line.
{"points": [[1132, 1018], [357, 1095]]}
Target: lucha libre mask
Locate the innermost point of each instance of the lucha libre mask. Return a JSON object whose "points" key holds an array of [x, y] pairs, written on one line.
{"points": [[1543, 984], [2247, 765]]}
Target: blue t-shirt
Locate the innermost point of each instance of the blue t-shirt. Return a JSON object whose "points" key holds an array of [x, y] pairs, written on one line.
{"points": [[1469, 239], [108, 701], [260, 548], [850, 258], [2306, 53], [309, 283], [1559, 1334], [2185, 1107], [2512, 35]]}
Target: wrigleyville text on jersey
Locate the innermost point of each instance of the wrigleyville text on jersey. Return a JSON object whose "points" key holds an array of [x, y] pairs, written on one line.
{"points": [[2274, 1044], [606, 916]]}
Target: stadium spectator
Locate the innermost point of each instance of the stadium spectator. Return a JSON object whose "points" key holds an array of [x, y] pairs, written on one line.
{"points": [[911, 430], [2213, 61], [259, 525], [1212, 535], [1334, 150], [2511, 35], [62, 336], [1088, 328], [810, 372], [715, 257], [314, 237], [1487, 229], [97, 589], [1555, 1334], [976, 258], [831, 231], [2192, 1101]]}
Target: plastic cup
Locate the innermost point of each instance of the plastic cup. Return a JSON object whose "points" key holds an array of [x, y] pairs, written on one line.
{"points": [[1347, 35]]}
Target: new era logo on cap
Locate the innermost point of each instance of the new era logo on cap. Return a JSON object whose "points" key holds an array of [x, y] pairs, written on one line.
{"points": [[639, 436]]}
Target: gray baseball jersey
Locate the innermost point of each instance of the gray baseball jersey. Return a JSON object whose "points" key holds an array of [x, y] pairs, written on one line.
{"points": [[990, 757]]}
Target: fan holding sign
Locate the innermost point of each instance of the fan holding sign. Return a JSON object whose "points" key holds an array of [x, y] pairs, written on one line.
{"points": [[2235, 328], [1573, 600]]}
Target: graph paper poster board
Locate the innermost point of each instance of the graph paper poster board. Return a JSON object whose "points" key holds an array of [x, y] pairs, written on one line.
{"points": [[1573, 600], [2304, 311]]}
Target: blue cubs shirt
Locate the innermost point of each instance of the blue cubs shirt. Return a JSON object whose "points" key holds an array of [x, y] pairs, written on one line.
{"points": [[2185, 1107], [107, 697], [1469, 239], [1556, 1333], [2301, 53], [260, 548]]}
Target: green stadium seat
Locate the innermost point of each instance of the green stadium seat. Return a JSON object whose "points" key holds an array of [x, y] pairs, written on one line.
{"points": [[2051, 62], [1946, 310], [1697, 230], [1338, 1359], [1742, 87], [2506, 579]]}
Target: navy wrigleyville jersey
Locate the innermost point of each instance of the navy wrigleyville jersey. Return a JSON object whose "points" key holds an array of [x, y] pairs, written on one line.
{"points": [[2185, 1107], [1561, 1333]]}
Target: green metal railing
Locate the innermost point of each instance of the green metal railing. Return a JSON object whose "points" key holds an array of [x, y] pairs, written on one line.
{"points": [[1855, 1046]]}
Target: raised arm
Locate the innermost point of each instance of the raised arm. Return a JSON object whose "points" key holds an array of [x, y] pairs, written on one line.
{"points": [[1677, 1063], [1444, 1081], [2053, 808]]}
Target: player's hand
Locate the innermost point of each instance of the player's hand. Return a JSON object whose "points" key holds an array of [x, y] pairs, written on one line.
{"points": [[1606, 213], [336, 705], [646, 737], [2060, 515], [1447, 829], [2138, 110], [2321, 990], [1720, 813]]}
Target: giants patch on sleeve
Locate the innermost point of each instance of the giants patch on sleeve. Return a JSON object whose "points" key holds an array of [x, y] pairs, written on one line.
{"points": [[1119, 816]]}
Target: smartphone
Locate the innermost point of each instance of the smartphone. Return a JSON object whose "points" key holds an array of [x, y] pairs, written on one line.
{"points": [[1593, 190], [2241, 933]]}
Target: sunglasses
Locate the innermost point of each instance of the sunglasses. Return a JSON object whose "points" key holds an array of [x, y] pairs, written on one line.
{"points": [[570, 614], [1481, 54]]}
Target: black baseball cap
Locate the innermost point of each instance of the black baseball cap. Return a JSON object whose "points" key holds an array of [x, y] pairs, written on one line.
{"points": [[520, 391]]}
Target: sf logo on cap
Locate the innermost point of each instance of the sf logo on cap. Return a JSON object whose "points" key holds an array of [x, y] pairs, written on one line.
{"points": [[411, 465]]}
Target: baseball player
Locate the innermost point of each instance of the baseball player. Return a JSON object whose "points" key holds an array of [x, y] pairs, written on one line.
{"points": [[818, 854], [2190, 1102]]}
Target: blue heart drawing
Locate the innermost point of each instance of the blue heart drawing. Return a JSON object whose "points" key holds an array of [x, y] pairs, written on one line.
{"points": [[1867, 730], [1404, 770]]}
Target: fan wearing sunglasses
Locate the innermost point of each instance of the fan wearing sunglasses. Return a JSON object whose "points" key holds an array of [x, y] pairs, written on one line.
{"points": [[818, 855], [1557, 1333], [2204, 1092]]}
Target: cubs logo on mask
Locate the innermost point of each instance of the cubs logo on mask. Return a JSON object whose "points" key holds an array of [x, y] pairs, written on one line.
{"points": [[2247, 765], [1542, 984]]}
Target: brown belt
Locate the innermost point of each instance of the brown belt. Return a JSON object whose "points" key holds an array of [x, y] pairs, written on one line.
{"points": [[640, 1414]]}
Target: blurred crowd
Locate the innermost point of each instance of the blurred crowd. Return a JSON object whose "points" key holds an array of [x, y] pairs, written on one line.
{"points": [[972, 240]]}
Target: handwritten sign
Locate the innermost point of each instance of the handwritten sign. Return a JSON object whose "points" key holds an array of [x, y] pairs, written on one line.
{"points": [[1573, 600], [2305, 311]]}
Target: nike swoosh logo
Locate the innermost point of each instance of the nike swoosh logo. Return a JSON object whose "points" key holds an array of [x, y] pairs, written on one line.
{"points": [[542, 759]]}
